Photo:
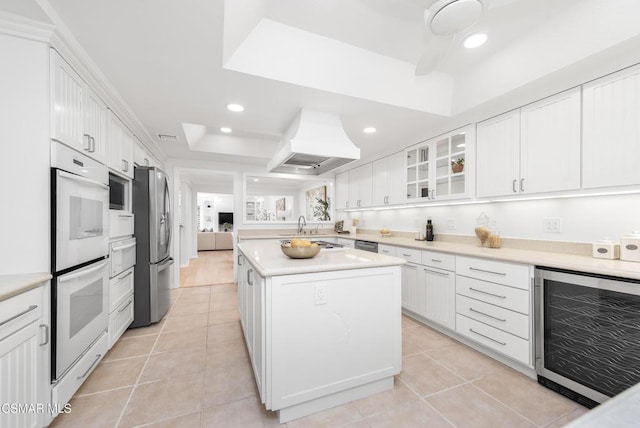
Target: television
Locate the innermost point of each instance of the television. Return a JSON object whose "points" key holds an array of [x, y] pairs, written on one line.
{"points": [[225, 218]]}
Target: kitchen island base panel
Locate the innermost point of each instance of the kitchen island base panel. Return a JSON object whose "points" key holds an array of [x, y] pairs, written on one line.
{"points": [[334, 400]]}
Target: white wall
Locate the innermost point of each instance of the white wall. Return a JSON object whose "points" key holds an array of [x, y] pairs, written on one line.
{"points": [[25, 160], [219, 203], [584, 219]]}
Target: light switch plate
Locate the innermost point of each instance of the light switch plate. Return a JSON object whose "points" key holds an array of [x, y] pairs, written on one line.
{"points": [[320, 294]]}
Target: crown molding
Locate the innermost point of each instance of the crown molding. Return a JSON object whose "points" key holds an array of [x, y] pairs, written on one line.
{"points": [[26, 28]]}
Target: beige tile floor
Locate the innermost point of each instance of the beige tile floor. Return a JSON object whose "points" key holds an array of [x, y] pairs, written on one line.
{"points": [[192, 370], [211, 267]]}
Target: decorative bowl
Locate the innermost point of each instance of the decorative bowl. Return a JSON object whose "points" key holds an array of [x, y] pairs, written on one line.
{"points": [[299, 252], [385, 234]]}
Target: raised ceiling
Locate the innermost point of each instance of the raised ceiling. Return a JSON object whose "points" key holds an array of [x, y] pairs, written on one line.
{"points": [[179, 63]]}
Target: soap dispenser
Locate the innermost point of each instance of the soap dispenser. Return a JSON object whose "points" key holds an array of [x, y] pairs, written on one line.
{"points": [[429, 232]]}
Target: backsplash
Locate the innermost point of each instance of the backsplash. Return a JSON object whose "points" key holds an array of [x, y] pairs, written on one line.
{"points": [[583, 219]]}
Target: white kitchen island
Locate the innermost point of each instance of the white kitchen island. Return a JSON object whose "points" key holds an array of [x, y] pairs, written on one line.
{"points": [[320, 332]]}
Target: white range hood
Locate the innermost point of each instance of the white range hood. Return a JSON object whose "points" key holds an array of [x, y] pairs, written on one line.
{"points": [[313, 144]]}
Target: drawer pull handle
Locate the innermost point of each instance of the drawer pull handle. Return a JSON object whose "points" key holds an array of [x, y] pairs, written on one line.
{"points": [[488, 271], [90, 367], [409, 265], [125, 215], [487, 315], [123, 309], [487, 293], [249, 276], [436, 260], [406, 255], [26, 311], [436, 272], [46, 333], [487, 337], [125, 275]]}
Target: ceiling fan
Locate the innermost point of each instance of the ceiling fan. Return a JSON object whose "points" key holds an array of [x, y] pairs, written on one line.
{"points": [[446, 19]]}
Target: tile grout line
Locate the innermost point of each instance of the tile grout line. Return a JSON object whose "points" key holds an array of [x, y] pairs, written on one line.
{"points": [[155, 343], [206, 352], [504, 404]]}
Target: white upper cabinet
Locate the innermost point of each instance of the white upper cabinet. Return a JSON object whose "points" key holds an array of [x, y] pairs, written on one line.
{"points": [[388, 180], [78, 115], [141, 157], [67, 104], [437, 168], [120, 146], [361, 186], [531, 150], [550, 144], [342, 190], [611, 130], [95, 126], [498, 155]]}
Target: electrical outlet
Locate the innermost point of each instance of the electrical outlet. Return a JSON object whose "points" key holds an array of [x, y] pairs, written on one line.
{"points": [[552, 225], [451, 224], [320, 294]]}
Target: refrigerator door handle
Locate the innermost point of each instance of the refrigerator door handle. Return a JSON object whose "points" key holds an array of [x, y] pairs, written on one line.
{"points": [[165, 264]]}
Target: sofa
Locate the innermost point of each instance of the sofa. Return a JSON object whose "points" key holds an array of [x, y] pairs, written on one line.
{"points": [[208, 241]]}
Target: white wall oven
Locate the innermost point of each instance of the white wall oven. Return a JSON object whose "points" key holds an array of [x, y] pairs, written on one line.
{"points": [[587, 334], [79, 264]]}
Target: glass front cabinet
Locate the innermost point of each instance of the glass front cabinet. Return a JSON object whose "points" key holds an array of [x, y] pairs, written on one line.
{"points": [[437, 169]]}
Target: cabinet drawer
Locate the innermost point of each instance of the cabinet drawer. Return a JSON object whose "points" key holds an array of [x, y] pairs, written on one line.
{"points": [[389, 250], [510, 274], [62, 392], [439, 260], [505, 343], [119, 288], [504, 319], [120, 319], [20, 311], [496, 294], [409, 254]]}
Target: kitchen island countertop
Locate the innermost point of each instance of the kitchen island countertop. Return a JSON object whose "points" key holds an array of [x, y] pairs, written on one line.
{"points": [[269, 260]]}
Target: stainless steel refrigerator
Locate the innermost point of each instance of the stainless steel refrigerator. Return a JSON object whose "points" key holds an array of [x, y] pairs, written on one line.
{"points": [[152, 209]]}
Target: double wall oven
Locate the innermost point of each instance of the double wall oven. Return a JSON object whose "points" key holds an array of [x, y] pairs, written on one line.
{"points": [[587, 334], [79, 264]]}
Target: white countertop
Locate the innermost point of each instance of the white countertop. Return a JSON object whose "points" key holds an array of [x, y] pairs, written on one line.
{"points": [[268, 260], [621, 411], [12, 285], [558, 260]]}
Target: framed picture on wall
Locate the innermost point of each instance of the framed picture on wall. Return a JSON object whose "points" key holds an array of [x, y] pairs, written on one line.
{"points": [[281, 205], [317, 204]]}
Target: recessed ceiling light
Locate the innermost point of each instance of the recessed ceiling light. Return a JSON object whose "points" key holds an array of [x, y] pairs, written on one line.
{"points": [[256, 179], [369, 130], [235, 107], [475, 40], [225, 129]]}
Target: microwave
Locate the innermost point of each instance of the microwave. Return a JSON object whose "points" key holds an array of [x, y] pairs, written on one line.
{"points": [[119, 193], [120, 215]]}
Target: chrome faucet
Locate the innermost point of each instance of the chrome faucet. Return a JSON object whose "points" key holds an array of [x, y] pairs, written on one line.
{"points": [[301, 226]]}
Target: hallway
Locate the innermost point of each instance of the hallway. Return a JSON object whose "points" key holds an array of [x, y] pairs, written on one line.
{"points": [[210, 268]]}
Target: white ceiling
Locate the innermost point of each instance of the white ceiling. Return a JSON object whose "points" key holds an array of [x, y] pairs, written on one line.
{"points": [[176, 62]]}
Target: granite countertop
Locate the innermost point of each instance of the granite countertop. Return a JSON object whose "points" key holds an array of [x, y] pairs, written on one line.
{"points": [[553, 259], [269, 260], [12, 285]]}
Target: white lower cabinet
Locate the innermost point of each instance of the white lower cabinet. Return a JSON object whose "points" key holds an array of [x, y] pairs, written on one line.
{"points": [[413, 290], [120, 305], [24, 339], [493, 306], [429, 285], [440, 293]]}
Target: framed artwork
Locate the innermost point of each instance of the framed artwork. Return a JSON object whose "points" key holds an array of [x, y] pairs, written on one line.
{"points": [[281, 205], [317, 204]]}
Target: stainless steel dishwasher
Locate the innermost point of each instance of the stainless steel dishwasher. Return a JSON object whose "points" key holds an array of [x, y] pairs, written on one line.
{"points": [[366, 246]]}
